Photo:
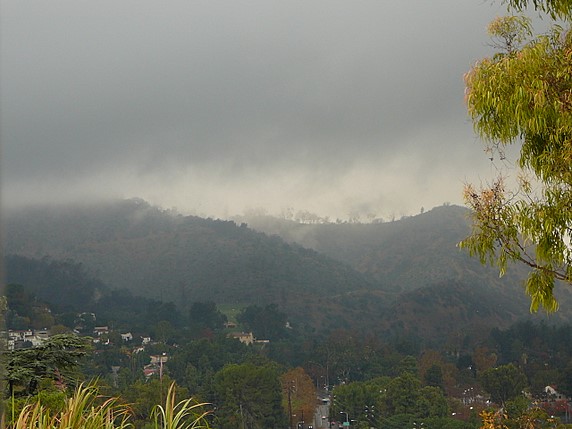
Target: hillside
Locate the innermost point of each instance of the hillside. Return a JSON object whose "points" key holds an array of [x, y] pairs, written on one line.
{"points": [[442, 290], [401, 278], [406, 254], [165, 256]]}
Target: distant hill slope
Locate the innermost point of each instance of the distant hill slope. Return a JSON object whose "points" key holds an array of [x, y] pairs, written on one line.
{"points": [[162, 255], [406, 254], [418, 257], [63, 284], [401, 278]]}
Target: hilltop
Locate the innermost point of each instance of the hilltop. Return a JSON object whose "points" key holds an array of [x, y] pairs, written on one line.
{"points": [[400, 278], [406, 254], [169, 257]]}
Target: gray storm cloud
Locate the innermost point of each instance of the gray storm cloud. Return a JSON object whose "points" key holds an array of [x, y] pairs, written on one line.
{"points": [[215, 107]]}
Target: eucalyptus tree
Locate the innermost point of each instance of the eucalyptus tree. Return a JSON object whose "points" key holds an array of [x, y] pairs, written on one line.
{"points": [[523, 95]]}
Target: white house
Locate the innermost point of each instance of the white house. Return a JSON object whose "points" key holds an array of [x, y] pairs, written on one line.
{"points": [[553, 394], [127, 337]]}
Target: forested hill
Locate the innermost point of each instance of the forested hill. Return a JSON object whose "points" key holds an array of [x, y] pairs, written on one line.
{"points": [[406, 254], [442, 290], [162, 255], [406, 277]]}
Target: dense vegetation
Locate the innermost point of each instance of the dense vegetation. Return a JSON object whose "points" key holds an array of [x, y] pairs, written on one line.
{"points": [[170, 257], [383, 382], [521, 96], [391, 353], [384, 274]]}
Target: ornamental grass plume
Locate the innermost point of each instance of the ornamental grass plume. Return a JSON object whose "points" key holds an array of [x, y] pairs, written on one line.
{"points": [[185, 414], [88, 410], [81, 411]]}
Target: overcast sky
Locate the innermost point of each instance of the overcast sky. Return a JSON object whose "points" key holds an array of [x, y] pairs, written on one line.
{"points": [[215, 107]]}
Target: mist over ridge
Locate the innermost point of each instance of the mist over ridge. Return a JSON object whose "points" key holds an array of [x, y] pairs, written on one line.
{"points": [[333, 118], [383, 276]]}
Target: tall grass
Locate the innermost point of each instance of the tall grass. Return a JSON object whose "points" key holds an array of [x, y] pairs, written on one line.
{"points": [[81, 411], [87, 410], [185, 414]]}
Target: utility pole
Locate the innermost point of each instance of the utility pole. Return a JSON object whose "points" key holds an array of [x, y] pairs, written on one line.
{"points": [[290, 403], [241, 416]]}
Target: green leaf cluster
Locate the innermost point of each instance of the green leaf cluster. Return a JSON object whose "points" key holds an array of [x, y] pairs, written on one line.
{"points": [[554, 8], [249, 396], [523, 95], [55, 359]]}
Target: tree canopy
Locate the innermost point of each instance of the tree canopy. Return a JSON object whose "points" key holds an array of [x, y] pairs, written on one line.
{"points": [[503, 383], [53, 359], [523, 95], [249, 395], [554, 8]]}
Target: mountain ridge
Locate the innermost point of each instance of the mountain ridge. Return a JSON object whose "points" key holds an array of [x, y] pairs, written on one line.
{"points": [[166, 256], [406, 277]]}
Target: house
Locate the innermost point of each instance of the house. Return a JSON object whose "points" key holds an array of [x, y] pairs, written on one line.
{"points": [[150, 370], [127, 337], [243, 337], [42, 333], [20, 334], [18, 338], [155, 366], [100, 330], [555, 403], [553, 395], [35, 340], [158, 359]]}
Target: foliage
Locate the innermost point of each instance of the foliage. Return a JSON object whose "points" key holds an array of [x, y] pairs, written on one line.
{"points": [[186, 414], [182, 259], [434, 376], [298, 392], [386, 401], [407, 365], [555, 8], [351, 357], [69, 289], [120, 307], [523, 95], [194, 364], [528, 418], [360, 400], [49, 395], [492, 420], [405, 395], [565, 382], [205, 315], [86, 409], [48, 278], [54, 359], [340, 356], [435, 371], [406, 255], [143, 396], [266, 322], [503, 383], [83, 410], [249, 395]]}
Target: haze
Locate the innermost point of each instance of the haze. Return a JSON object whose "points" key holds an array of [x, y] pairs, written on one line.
{"points": [[214, 108]]}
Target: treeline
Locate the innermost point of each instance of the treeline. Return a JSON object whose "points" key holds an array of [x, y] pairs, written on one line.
{"points": [[401, 382], [397, 375], [169, 257]]}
